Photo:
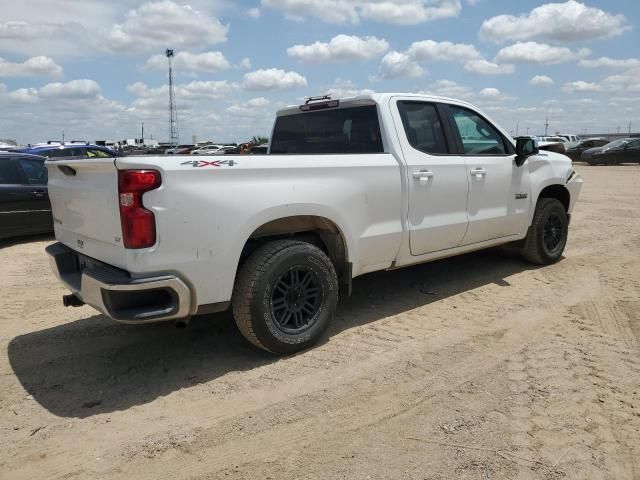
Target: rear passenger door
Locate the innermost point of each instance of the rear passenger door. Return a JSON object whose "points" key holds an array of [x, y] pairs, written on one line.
{"points": [[15, 200], [437, 180], [35, 174], [499, 197]]}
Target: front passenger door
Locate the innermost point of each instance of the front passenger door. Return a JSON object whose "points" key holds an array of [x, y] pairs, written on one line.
{"points": [[499, 193]]}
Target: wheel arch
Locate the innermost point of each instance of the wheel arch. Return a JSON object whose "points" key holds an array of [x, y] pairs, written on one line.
{"points": [[317, 230], [557, 191]]}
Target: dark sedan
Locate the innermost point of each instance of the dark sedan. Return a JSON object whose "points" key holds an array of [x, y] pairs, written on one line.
{"points": [[575, 152], [24, 201], [625, 150]]}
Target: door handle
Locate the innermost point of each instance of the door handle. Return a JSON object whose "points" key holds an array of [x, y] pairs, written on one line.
{"points": [[478, 172], [423, 176], [39, 193]]}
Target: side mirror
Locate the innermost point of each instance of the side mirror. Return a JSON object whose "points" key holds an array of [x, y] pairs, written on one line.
{"points": [[525, 147]]}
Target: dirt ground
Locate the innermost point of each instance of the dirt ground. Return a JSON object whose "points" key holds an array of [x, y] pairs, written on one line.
{"points": [[477, 367]]}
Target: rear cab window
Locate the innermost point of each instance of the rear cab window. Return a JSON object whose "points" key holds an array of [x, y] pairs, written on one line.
{"points": [[339, 131]]}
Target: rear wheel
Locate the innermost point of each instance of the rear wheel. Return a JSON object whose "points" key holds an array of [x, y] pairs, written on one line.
{"points": [[285, 296], [547, 235]]}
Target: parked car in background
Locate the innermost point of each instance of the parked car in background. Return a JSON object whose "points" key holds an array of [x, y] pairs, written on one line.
{"points": [[553, 144], [624, 150], [575, 151], [56, 151], [571, 140], [262, 149], [207, 150], [180, 150], [24, 201]]}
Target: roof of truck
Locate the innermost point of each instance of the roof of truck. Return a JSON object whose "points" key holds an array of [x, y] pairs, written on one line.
{"points": [[370, 99]]}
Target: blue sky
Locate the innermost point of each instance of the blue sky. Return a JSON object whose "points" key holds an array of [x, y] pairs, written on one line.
{"points": [[95, 69]]}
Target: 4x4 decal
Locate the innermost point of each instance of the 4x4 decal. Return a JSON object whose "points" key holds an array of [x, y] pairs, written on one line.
{"points": [[205, 163]]}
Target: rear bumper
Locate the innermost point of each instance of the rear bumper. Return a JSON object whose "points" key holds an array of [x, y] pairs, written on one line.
{"points": [[113, 292]]}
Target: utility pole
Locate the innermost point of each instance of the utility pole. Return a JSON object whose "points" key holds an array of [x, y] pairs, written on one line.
{"points": [[629, 127], [618, 129], [546, 126], [142, 133], [174, 137], [527, 131], [517, 125], [62, 136]]}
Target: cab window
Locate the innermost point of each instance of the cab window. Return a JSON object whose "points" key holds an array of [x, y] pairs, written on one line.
{"points": [[478, 136], [423, 127]]}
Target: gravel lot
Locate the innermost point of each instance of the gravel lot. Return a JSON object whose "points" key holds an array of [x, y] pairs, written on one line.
{"points": [[477, 367]]}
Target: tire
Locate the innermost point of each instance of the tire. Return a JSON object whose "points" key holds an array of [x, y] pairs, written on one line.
{"points": [[547, 235], [285, 296]]}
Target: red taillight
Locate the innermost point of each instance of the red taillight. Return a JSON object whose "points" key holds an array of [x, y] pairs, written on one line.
{"points": [[138, 223]]}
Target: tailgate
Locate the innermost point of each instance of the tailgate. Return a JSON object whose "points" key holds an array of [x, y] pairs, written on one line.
{"points": [[85, 205]]}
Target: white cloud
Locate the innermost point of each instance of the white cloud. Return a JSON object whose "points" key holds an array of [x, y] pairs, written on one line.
{"points": [[184, 91], [485, 67], [541, 81], [273, 79], [245, 63], [99, 26], [540, 53], [345, 88], [561, 22], [83, 88], [254, 12], [449, 88], [581, 86], [26, 38], [340, 48], [627, 80], [250, 108], [398, 65], [606, 62], [445, 51], [156, 25], [489, 92], [32, 67], [402, 12], [190, 62]]}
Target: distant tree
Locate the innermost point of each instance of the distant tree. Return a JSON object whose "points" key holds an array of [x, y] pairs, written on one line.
{"points": [[258, 140]]}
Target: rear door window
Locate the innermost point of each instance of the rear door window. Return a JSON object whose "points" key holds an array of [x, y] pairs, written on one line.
{"points": [[34, 170], [423, 127], [9, 172], [344, 130]]}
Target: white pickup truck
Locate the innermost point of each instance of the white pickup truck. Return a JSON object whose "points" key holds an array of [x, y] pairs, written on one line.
{"points": [[350, 186]]}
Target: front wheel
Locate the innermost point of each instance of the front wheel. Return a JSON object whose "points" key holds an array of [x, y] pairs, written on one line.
{"points": [[285, 296], [547, 235]]}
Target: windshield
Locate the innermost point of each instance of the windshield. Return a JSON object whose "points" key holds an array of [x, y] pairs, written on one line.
{"points": [[616, 143]]}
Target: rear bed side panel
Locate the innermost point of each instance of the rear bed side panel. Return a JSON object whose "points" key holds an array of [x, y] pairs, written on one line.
{"points": [[204, 214]]}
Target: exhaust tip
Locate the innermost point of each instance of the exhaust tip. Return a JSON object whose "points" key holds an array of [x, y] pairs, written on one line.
{"points": [[71, 301]]}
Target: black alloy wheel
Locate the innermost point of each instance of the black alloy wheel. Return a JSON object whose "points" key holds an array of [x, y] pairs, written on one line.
{"points": [[295, 299]]}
